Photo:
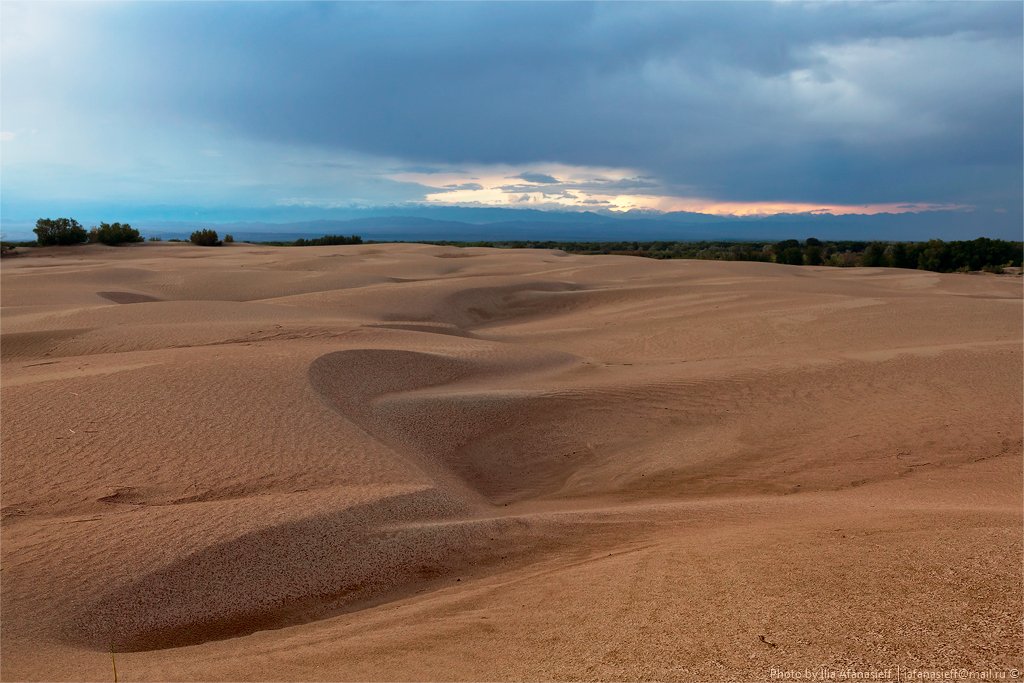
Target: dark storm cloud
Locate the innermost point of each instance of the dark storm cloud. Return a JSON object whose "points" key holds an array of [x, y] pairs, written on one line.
{"points": [[822, 102], [423, 169], [536, 177]]}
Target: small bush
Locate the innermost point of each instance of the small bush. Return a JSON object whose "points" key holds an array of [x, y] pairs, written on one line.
{"points": [[205, 238], [114, 233], [228, 239], [155, 239], [51, 231]]}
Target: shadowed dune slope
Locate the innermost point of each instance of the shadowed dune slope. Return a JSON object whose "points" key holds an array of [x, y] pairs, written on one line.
{"points": [[408, 462]]}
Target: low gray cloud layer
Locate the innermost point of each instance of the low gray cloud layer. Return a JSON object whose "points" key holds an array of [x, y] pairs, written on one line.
{"points": [[832, 103]]}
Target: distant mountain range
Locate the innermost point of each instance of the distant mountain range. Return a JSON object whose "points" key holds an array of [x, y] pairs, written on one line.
{"points": [[455, 223]]}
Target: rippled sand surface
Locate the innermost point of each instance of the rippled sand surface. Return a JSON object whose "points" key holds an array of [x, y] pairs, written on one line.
{"points": [[408, 462]]}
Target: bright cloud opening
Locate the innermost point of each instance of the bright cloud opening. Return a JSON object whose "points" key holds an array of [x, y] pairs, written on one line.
{"points": [[558, 186]]}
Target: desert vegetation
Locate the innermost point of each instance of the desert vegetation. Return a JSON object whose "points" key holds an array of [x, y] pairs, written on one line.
{"points": [[59, 231], [68, 231], [114, 233], [981, 254], [205, 238], [991, 255], [327, 240]]}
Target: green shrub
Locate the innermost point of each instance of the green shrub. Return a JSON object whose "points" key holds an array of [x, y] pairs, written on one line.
{"points": [[793, 256], [155, 239], [59, 231], [205, 238], [114, 233], [845, 259], [874, 256], [228, 239], [812, 254]]}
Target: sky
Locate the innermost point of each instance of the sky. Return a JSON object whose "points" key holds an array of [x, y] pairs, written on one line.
{"points": [[729, 108]]}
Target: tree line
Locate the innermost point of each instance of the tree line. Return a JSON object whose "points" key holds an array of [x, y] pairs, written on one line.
{"points": [[68, 231], [63, 231], [326, 240], [936, 255]]}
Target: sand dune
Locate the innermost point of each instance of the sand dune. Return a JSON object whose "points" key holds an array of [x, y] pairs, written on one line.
{"points": [[407, 462]]}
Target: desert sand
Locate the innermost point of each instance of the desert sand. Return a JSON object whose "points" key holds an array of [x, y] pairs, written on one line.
{"points": [[410, 462]]}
